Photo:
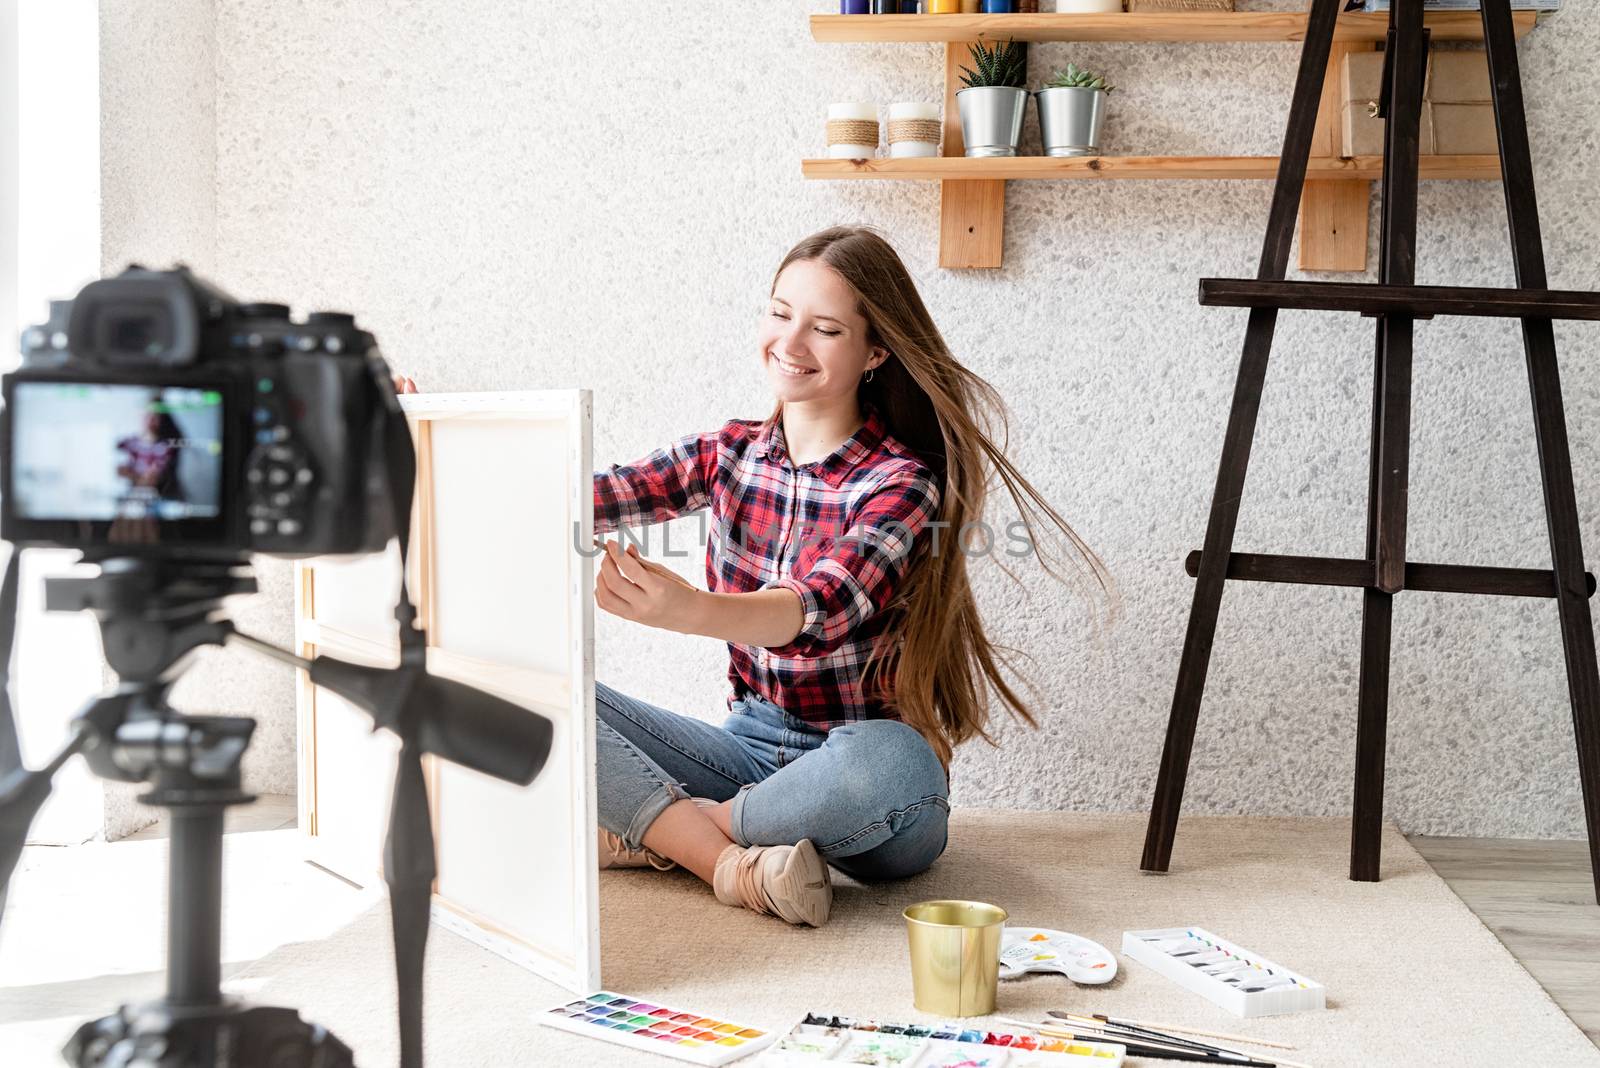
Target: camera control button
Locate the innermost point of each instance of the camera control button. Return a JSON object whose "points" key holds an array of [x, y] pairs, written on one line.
{"points": [[288, 527], [260, 526], [303, 476], [333, 343], [277, 477]]}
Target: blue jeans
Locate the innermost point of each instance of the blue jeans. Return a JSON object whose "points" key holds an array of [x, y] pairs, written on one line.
{"points": [[871, 796]]}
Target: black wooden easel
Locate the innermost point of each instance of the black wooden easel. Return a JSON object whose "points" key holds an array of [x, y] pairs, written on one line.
{"points": [[1397, 303]]}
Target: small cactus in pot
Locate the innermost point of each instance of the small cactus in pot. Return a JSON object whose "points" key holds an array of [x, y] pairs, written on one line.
{"points": [[995, 100], [1071, 111]]}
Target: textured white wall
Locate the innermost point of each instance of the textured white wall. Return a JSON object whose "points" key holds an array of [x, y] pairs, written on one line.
{"points": [[537, 195], [158, 207]]}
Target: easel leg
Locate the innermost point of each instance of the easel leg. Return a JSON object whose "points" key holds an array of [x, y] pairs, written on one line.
{"points": [[1549, 416], [1389, 484], [1372, 727]]}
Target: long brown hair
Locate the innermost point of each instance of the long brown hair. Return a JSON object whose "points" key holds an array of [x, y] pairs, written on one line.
{"points": [[934, 664]]}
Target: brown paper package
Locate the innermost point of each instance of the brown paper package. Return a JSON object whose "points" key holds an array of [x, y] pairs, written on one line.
{"points": [[1457, 116]]}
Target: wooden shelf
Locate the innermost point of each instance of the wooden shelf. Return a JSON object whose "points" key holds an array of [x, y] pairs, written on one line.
{"points": [[1139, 26], [1335, 202], [944, 168]]}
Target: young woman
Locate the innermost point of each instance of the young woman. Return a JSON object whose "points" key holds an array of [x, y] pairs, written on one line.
{"points": [[836, 573]]}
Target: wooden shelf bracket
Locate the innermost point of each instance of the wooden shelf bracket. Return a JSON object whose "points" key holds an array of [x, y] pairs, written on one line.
{"points": [[972, 212]]}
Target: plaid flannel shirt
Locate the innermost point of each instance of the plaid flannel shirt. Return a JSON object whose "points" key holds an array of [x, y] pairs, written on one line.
{"points": [[839, 532]]}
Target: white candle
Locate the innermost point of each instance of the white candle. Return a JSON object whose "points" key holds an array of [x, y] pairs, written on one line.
{"points": [[865, 112], [913, 110]]}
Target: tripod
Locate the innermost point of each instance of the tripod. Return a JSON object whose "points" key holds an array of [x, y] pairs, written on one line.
{"points": [[154, 613], [152, 617], [1397, 303]]}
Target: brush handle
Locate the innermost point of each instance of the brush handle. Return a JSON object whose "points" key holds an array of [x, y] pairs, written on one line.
{"points": [[1166, 1053]]}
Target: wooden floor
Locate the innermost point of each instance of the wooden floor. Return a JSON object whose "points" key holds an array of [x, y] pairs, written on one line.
{"points": [[1538, 899]]}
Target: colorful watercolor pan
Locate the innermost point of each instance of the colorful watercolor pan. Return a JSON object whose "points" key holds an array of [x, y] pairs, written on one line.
{"points": [[823, 1040], [688, 1036]]}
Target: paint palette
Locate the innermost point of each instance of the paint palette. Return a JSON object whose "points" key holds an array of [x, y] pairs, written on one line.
{"points": [[689, 1036], [1039, 949], [818, 1041]]}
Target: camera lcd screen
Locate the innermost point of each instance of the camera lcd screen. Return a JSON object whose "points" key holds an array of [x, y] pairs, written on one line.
{"points": [[101, 451]]}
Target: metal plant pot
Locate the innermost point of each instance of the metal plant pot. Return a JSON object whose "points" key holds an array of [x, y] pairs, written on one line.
{"points": [[991, 119], [1069, 120]]}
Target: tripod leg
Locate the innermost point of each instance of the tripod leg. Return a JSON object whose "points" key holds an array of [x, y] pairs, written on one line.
{"points": [[1202, 629], [1549, 416]]}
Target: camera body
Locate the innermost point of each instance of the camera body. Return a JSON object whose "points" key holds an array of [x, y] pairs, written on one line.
{"points": [[154, 415]]}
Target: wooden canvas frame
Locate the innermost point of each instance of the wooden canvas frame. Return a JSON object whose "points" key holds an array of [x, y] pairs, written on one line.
{"points": [[533, 902]]}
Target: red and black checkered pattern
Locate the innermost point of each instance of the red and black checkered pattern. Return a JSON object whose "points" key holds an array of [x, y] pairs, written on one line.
{"points": [[839, 532]]}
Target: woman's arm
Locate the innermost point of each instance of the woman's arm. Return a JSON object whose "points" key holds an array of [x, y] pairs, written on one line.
{"points": [[634, 588], [858, 573], [663, 485]]}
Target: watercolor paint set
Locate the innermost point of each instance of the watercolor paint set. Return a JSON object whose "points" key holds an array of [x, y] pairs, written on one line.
{"points": [[1243, 982], [688, 1036], [823, 1040]]}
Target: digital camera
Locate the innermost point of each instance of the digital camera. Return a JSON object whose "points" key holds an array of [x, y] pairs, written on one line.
{"points": [[154, 415]]}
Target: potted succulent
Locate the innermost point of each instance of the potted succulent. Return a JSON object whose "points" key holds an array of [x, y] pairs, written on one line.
{"points": [[995, 100], [1072, 106]]}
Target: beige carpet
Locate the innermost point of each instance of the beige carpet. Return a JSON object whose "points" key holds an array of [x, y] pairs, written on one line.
{"points": [[1413, 978]]}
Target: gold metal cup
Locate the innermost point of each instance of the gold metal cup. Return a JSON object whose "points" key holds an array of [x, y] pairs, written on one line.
{"points": [[955, 956]]}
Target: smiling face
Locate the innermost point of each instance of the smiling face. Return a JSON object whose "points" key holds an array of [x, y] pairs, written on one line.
{"points": [[812, 340]]}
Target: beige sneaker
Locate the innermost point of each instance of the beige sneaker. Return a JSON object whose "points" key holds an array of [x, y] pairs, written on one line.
{"points": [[790, 882], [614, 853]]}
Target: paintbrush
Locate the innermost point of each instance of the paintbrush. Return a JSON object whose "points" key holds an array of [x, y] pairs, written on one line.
{"points": [[1179, 1030], [1149, 1032], [1146, 1048]]}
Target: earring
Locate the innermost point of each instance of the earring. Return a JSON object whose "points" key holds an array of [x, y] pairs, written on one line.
{"points": [[868, 377]]}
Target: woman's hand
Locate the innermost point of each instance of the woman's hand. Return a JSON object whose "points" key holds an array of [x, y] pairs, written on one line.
{"points": [[402, 384], [632, 587]]}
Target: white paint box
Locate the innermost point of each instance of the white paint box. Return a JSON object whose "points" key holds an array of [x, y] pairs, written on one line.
{"points": [[1240, 980]]}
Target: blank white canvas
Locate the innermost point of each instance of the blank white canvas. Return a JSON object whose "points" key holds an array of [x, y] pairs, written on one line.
{"points": [[505, 500]]}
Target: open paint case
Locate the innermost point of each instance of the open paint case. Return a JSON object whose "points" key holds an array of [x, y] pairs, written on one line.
{"points": [[1240, 980], [820, 1041]]}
